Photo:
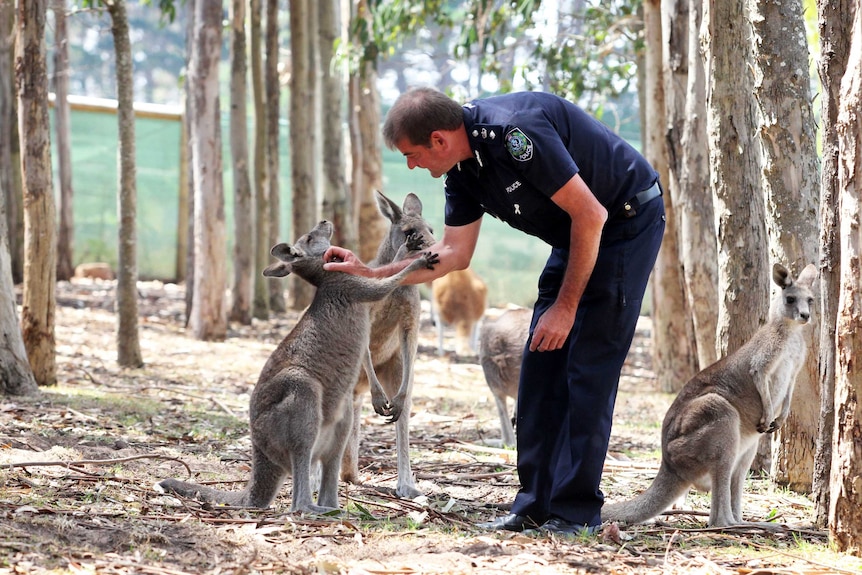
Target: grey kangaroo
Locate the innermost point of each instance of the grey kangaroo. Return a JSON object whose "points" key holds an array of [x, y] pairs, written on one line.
{"points": [[501, 348], [710, 432], [394, 340], [300, 410]]}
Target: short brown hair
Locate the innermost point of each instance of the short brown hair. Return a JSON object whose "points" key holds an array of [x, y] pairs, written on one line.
{"points": [[418, 112]]}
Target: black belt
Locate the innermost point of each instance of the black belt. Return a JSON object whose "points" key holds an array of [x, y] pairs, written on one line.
{"points": [[630, 208]]}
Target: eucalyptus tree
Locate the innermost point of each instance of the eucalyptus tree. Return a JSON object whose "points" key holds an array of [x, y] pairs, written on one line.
{"points": [[835, 23], [674, 344], [16, 376], [337, 206], [303, 119], [272, 87], [208, 320], [40, 247], [243, 206], [845, 517], [743, 287], [10, 151], [65, 233], [260, 186], [789, 168]]}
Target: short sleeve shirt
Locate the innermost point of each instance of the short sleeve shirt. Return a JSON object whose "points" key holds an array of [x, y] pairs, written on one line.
{"points": [[526, 146]]}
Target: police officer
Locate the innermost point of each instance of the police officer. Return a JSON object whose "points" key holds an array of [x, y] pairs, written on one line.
{"points": [[546, 167]]}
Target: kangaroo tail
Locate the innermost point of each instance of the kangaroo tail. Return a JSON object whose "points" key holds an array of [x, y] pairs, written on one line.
{"points": [[666, 488], [204, 493]]}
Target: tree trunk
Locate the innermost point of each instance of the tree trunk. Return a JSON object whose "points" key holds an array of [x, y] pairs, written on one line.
{"points": [[40, 246], [835, 22], [66, 230], [845, 514], [743, 267], [694, 210], [674, 355], [337, 206], [243, 206], [302, 123], [188, 215], [16, 377], [260, 302], [273, 109], [688, 183], [789, 166], [128, 346], [365, 144], [10, 151], [209, 317]]}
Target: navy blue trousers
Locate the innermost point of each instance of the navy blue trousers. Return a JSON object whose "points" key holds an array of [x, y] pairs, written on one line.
{"points": [[566, 397]]}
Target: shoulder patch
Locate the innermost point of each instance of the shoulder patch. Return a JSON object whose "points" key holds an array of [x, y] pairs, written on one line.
{"points": [[519, 145]]}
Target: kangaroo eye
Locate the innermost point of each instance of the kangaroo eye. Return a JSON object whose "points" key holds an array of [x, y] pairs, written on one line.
{"points": [[791, 300], [810, 301]]}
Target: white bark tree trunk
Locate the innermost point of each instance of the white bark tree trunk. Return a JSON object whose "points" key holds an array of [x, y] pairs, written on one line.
{"points": [[66, 230], [835, 22], [337, 206], [260, 182], [845, 517], [674, 354], [244, 274], [743, 267], [789, 165], [303, 120], [273, 109], [209, 315]]}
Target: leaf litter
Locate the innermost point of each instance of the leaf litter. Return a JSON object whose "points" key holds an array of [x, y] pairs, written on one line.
{"points": [[79, 464]]}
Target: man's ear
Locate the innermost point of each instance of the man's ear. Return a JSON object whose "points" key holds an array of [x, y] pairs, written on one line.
{"points": [[277, 270], [438, 140]]}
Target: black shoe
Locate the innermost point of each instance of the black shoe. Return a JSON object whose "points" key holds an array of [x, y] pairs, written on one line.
{"points": [[567, 529], [510, 522]]}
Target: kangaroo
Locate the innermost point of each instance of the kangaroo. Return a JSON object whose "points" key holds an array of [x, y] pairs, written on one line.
{"points": [[394, 340], [710, 433], [501, 348], [459, 299], [300, 410]]}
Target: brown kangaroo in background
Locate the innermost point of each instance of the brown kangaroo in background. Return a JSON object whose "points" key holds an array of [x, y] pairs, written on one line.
{"points": [[300, 410], [710, 432], [394, 341]]}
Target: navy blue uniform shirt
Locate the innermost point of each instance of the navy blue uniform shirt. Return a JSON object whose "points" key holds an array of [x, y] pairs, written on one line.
{"points": [[526, 146]]}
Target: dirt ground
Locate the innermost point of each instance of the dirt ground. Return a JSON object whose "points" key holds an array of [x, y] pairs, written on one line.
{"points": [[186, 412]]}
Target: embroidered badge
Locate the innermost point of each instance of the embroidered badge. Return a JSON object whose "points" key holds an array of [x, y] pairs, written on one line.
{"points": [[519, 145]]}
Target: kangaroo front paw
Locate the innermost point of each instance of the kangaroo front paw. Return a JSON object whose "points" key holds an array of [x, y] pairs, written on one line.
{"points": [[763, 427], [430, 259]]}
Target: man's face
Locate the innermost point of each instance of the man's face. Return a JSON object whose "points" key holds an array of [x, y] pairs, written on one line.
{"points": [[433, 158]]}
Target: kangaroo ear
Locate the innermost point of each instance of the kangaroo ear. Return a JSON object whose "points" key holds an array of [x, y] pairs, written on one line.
{"points": [[277, 270], [808, 275], [387, 207], [284, 252], [781, 276], [412, 205]]}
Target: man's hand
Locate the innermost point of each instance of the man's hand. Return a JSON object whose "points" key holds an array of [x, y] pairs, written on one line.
{"points": [[552, 329], [338, 259]]}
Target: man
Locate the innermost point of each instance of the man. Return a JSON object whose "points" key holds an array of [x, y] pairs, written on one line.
{"points": [[544, 166]]}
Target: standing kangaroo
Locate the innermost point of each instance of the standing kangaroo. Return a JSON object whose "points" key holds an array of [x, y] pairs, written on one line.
{"points": [[710, 432], [300, 410], [394, 340], [501, 349]]}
